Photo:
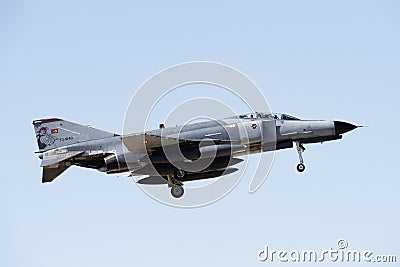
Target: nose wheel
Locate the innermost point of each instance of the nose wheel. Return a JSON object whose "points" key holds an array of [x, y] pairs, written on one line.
{"points": [[300, 149], [301, 167]]}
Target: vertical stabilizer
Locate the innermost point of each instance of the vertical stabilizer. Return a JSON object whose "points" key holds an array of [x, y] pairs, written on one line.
{"points": [[53, 133]]}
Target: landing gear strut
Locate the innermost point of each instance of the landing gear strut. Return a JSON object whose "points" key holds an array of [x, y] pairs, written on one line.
{"points": [[300, 149], [176, 184]]}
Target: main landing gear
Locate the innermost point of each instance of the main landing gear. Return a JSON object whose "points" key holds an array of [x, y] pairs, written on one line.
{"points": [[177, 191], [175, 183], [300, 149]]}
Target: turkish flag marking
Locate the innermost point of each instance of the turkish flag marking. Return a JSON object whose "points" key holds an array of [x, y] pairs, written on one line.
{"points": [[54, 131]]}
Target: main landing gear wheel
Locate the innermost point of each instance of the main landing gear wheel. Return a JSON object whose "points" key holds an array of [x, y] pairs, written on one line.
{"points": [[300, 149], [175, 182], [177, 191], [301, 167]]}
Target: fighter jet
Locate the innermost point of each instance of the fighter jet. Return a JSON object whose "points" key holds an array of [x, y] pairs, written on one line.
{"points": [[216, 144]]}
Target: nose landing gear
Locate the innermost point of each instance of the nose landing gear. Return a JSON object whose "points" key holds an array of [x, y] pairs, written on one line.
{"points": [[300, 149]]}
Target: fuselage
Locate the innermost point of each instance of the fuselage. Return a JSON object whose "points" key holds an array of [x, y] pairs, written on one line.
{"points": [[235, 136]]}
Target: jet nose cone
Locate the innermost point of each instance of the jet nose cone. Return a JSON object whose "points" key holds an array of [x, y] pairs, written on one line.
{"points": [[342, 127]]}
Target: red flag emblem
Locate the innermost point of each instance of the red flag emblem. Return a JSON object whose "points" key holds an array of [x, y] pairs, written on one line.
{"points": [[54, 131]]}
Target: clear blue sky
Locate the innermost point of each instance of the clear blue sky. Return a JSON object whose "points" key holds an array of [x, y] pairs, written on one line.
{"points": [[83, 60]]}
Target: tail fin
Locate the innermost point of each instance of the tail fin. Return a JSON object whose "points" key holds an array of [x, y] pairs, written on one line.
{"points": [[53, 133]]}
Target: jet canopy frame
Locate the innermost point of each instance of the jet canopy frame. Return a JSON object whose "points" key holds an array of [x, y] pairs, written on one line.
{"points": [[272, 116]]}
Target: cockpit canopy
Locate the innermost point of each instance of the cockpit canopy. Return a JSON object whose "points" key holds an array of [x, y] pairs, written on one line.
{"points": [[275, 116], [288, 117]]}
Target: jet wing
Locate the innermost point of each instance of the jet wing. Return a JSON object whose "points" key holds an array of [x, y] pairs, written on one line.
{"points": [[153, 180], [157, 180], [145, 143]]}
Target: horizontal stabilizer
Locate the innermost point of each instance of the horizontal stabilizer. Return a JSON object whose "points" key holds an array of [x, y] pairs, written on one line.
{"points": [[53, 171]]}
